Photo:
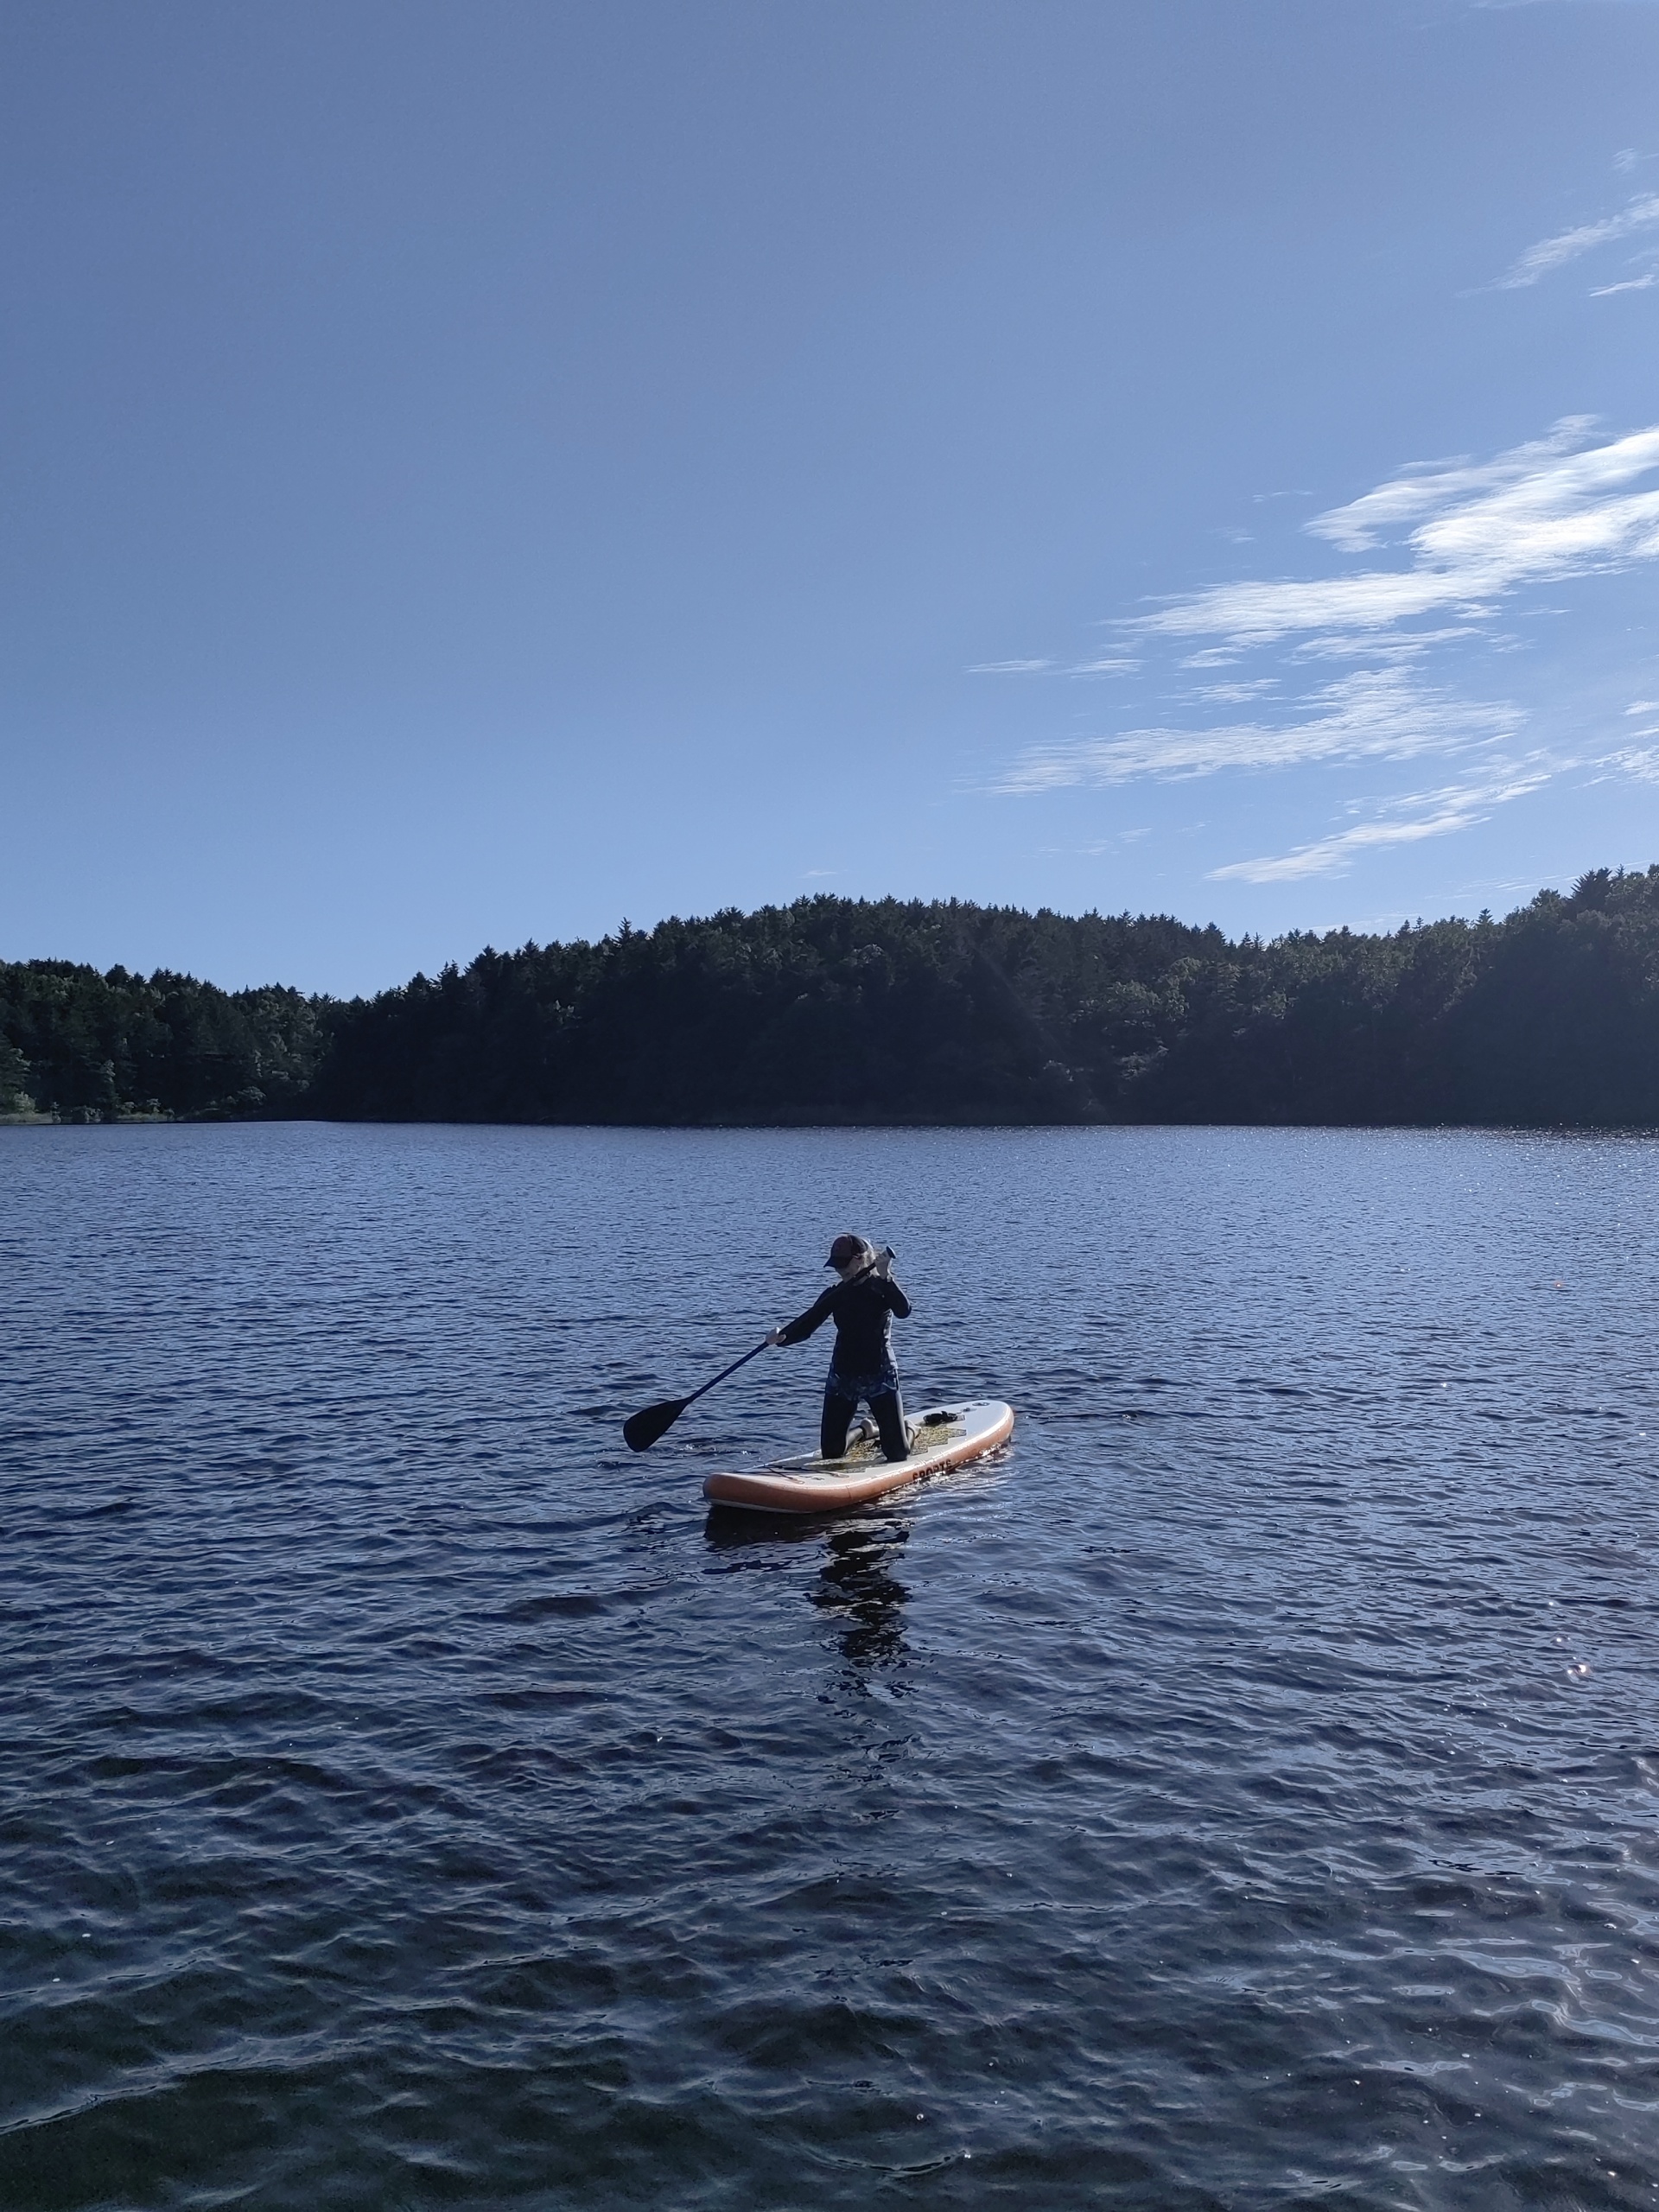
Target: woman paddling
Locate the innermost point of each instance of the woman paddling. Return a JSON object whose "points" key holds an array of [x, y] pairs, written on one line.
{"points": [[861, 1303]]}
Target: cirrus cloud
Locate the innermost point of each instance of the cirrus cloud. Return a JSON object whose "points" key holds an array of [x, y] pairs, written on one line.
{"points": [[1451, 542], [1407, 821], [1549, 254], [1536, 514], [1373, 714]]}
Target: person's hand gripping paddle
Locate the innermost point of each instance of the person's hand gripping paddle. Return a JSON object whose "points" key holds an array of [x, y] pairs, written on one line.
{"points": [[641, 1430]]}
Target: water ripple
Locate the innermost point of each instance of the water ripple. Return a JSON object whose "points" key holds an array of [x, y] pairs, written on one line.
{"points": [[1241, 1793]]}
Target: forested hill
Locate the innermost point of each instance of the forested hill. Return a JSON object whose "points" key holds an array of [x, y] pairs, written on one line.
{"points": [[87, 1047], [841, 1011]]}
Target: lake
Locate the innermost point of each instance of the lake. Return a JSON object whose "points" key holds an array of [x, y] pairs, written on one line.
{"points": [[1243, 1791]]}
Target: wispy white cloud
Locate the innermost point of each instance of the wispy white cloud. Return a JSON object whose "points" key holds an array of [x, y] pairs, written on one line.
{"points": [[1641, 762], [1451, 543], [1409, 646], [1406, 822], [1371, 714], [1096, 847], [1234, 694], [1429, 487], [1631, 284], [1109, 665], [1641, 213], [1538, 513]]}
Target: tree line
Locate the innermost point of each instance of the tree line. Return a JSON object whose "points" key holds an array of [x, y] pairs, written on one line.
{"points": [[834, 1010], [76, 1045]]}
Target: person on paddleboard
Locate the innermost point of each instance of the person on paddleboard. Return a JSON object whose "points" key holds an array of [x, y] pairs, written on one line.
{"points": [[862, 1303]]}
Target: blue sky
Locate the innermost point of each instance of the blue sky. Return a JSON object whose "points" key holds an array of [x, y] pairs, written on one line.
{"points": [[471, 473]]}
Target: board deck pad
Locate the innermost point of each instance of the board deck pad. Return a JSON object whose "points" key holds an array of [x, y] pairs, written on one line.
{"points": [[941, 1437]]}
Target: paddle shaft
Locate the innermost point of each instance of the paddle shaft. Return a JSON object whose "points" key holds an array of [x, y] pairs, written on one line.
{"points": [[725, 1371], [756, 1353], [643, 1430]]}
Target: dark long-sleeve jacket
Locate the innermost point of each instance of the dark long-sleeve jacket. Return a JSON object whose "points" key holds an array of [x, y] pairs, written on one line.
{"points": [[861, 1311]]}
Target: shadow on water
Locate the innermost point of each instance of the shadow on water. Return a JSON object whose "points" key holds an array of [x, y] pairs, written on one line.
{"points": [[855, 1583]]}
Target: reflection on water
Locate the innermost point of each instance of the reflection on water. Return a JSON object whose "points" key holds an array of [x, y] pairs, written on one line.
{"points": [[857, 1587], [855, 1584]]}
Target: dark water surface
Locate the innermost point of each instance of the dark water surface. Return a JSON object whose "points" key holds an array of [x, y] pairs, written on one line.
{"points": [[1242, 1792]]}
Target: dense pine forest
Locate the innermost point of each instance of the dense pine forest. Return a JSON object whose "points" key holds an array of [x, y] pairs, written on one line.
{"points": [[841, 1011]]}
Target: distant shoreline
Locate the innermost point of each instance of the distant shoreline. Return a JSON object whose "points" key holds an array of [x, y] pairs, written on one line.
{"points": [[211, 1122], [837, 1012]]}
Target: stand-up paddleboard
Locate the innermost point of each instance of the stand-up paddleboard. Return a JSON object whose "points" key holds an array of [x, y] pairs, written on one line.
{"points": [[948, 1437]]}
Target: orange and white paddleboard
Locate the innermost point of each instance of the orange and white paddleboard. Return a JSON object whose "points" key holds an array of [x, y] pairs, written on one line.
{"points": [[948, 1436]]}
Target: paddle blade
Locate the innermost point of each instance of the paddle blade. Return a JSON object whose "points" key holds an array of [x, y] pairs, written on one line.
{"points": [[641, 1430]]}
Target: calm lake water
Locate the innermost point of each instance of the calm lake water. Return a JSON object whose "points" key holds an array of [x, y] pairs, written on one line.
{"points": [[1242, 1792]]}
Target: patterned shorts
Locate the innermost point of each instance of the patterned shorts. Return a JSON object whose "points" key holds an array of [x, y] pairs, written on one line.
{"points": [[851, 1390]]}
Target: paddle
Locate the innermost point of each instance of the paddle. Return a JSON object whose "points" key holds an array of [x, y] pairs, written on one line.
{"points": [[641, 1430]]}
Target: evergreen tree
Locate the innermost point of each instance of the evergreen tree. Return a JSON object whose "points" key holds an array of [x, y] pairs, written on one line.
{"points": [[834, 1010]]}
